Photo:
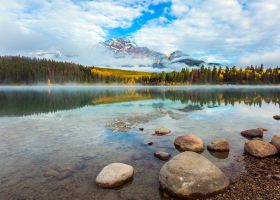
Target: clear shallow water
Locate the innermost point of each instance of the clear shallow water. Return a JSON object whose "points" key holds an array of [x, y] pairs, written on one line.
{"points": [[45, 128]]}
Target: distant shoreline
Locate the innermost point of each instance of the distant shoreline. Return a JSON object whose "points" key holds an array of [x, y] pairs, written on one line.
{"points": [[139, 85], [28, 71]]}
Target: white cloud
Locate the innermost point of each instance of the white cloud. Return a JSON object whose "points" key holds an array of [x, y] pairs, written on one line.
{"points": [[269, 58], [64, 26], [231, 28], [234, 31]]}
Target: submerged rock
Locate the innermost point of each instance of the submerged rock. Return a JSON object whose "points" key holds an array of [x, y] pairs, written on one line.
{"points": [[251, 133], [190, 175], [277, 117], [126, 123], [66, 171], [114, 175], [139, 156], [162, 155], [220, 145], [259, 148], [64, 174], [68, 167], [276, 141], [191, 108], [122, 125], [189, 142], [174, 115], [79, 165], [162, 131], [150, 143], [219, 154], [51, 173]]}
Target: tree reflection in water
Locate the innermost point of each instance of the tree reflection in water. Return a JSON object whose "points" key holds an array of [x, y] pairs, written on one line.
{"points": [[33, 100]]}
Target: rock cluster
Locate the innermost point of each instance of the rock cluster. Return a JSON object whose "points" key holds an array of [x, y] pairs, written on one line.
{"points": [[189, 174]]}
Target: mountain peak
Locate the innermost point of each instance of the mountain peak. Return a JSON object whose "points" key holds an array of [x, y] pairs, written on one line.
{"points": [[120, 45], [124, 46]]}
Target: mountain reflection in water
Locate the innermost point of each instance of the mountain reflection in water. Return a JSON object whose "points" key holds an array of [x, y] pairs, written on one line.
{"points": [[20, 101]]}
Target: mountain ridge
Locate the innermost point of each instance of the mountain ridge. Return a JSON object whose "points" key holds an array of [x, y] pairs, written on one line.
{"points": [[124, 47]]}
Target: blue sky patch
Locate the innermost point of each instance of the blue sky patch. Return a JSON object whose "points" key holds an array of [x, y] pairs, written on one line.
{"points": [[154, 12]]}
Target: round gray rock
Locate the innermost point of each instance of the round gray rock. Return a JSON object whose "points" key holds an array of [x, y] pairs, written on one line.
{"points": [[162, 131], [276, 141], [189, 175], [251, 133], [260, 149], [114, 175], [220, 145], [189, 142]]}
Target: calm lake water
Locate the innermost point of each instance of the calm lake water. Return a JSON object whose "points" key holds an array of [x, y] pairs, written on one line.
{"points": [[45, 128]]}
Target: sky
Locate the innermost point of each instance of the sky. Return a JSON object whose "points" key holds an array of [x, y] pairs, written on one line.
{"points": [[232, 32]]}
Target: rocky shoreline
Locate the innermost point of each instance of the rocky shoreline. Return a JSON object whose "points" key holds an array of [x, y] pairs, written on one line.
{"points": [[260, 180], [189, 175]]}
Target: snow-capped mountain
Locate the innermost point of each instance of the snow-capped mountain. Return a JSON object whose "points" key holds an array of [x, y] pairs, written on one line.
{"points": [[124, 47]]}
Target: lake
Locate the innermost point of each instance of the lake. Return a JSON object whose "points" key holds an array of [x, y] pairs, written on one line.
{"points": [[43, 128]]}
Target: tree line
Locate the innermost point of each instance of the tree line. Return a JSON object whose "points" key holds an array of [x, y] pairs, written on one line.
{"points": [[23, 70], [214, 75]]}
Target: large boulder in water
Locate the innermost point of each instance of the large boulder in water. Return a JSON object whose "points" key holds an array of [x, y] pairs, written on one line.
{"points": [[114, 175], [251, 133], [189, 142], [189, 175], [259, 148], [276, 141]]}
